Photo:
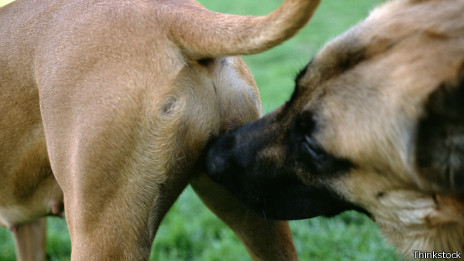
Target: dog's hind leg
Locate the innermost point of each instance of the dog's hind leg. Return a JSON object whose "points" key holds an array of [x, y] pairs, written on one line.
{"points": [[117, 183], [30, 240], [264, 239], [112, 209]]}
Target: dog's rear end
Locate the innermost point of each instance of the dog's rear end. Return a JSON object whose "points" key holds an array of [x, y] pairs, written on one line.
{"points": [[107, 105]]}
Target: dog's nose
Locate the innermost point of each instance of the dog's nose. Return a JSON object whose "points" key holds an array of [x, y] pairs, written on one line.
{"points": [[215, 165], [218, 158]]}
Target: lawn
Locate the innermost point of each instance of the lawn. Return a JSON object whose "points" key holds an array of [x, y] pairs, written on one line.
{"points": [[190, 231]]}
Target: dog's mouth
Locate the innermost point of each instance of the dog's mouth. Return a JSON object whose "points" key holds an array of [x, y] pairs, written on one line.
{"points": [[289, 203]]}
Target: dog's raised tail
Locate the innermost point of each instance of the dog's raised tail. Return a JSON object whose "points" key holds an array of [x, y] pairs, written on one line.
{"points": [[205, 34]]}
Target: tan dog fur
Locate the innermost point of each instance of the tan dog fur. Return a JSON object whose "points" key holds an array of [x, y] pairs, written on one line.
{"points": [[107, 105], [30, 240], [412, 47], [368, 97]]}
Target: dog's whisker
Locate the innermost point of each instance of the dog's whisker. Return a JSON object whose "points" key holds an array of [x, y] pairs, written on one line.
{"points": [[265, 216]]}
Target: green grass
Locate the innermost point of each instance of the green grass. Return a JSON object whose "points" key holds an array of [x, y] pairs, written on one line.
{"points": [[4, 2], [190, 231]]}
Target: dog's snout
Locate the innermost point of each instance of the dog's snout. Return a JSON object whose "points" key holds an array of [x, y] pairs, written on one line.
{"points": [[224, 158], [215, 165], [216, 158], [228, 142]]}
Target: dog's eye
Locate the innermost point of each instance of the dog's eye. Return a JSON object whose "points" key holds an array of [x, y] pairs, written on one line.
{"points": [[311, 147]]}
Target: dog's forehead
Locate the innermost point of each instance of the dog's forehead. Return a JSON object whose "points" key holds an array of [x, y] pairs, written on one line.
{"points": [[389, 25], [368, 86]]}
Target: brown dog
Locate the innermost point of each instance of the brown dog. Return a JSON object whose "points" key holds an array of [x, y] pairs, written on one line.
{"points": [[107, 106], [376, 123]]}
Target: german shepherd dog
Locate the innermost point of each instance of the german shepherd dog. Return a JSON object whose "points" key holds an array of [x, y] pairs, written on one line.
{"points": [[375, 123]]}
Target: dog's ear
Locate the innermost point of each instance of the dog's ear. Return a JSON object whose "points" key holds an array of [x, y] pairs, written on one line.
{"points": [[440, 137]]}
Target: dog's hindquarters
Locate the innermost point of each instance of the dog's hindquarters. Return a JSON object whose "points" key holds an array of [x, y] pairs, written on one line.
{"points": [[127, 108]]}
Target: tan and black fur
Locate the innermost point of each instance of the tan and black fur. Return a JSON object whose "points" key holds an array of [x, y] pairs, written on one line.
{"points": [[106, 108], [376, 124]]}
